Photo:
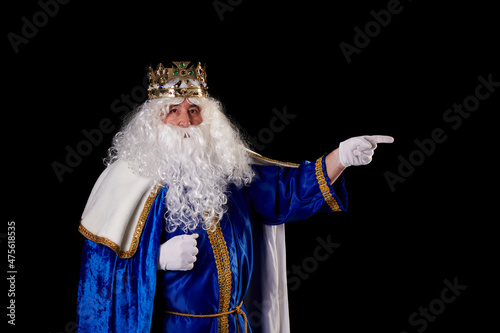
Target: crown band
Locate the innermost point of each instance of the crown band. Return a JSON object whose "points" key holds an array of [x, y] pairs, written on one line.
{"points": [[181, 80]]}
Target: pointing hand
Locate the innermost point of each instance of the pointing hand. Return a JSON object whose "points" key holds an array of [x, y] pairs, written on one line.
{"points": [[359, 150]]}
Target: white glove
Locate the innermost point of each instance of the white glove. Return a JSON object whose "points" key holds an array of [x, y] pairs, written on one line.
{"points": [[359, 150], [178, 253]]}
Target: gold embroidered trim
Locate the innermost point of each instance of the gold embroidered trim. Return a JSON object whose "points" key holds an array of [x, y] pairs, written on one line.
{"points": [[251, 153], [221, 255], [323, 186], [97, 239], [137, 232]]}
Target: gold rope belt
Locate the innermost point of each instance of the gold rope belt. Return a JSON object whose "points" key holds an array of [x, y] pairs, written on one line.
{"points": [[237, 311]]}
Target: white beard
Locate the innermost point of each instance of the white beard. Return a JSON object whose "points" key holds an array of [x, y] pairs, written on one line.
{"points": [[197, 164]]}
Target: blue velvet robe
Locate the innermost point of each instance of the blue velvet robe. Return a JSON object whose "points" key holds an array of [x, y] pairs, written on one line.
{"points": [[130, 295]]}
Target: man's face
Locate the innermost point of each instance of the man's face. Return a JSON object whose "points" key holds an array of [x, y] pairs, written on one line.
{"points": [[183, 115]]}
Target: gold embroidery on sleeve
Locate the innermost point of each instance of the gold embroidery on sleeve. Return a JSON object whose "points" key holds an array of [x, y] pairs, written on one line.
{"points": [[323, 186]]}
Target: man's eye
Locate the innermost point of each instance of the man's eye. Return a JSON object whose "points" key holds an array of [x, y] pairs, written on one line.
{"points": [[193, 110], [173, 110]]}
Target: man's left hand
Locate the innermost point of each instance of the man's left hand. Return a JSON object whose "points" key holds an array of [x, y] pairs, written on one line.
{"points": [[359, 150]]}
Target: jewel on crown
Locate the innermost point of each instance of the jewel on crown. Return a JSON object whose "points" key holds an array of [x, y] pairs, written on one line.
{"points": [[182, 80]]}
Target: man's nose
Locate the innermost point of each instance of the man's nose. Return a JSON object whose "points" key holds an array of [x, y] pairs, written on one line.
{"points": [[184, 120]]}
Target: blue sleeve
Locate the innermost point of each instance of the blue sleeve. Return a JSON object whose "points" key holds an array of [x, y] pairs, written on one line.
{"points": [[117, 294], [288, 194]]}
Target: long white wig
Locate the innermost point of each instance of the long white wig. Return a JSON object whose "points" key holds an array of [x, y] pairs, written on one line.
{"points": [[197, 163]]}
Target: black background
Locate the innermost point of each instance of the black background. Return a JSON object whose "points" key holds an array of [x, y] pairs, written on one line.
{"points": [[396, 247]]}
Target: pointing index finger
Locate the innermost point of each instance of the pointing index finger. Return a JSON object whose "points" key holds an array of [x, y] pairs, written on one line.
{"points": [[380, 139]]}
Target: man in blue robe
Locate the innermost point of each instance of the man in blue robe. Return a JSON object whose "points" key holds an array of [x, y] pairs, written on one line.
{"points": [[184, 213]]}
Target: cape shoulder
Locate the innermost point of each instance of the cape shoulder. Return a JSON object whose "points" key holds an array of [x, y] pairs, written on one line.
{"points": [[117, 209]]}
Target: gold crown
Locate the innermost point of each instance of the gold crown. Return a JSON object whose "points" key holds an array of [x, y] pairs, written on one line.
{"points": [[181, 80]]}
